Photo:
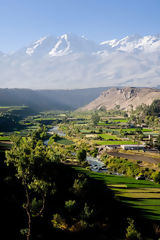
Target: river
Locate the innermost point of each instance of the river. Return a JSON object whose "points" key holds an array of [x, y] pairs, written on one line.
{"points": [[54, 130], [96, 164]]}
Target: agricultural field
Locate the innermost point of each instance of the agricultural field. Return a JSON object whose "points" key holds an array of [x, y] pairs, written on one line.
{"points": [[108, 136], [120, 142], [64, 141], [112, 121], [119, 120], [4, 138], [139, 194]]}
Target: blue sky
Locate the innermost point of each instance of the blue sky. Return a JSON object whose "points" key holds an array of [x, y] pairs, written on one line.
{"points": [[23, 21]]}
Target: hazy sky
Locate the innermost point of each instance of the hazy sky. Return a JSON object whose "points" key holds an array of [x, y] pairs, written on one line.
{"points": [[23, 21]]}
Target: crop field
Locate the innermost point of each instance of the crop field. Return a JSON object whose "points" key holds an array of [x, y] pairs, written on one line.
{"points": [[65, 141], [146, 130], [44, 119], [4, 145], [113, 121], [103, 124], [108, 136], [89, 131], [139, 194], [116, 142], [4, 109], [150, 207], [4, 138], [119, 120], [130, 129]]}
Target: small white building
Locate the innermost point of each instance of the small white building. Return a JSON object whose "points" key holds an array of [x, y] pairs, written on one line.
{"points": [[111, 147], [133, 147]]}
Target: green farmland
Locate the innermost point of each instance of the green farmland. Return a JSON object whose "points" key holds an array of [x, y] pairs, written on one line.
{"points": [[116, 142], [4, 138], [108, 136], [64, 141], [139, 194]]}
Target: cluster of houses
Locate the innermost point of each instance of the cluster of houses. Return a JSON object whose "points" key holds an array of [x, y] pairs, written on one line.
{"points": [[124, 147]]}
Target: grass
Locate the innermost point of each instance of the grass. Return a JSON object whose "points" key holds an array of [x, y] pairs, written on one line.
{"points": [[65, 141], [119, 120], [150, 207], [108, 136], [115, 142], [111, 121], [139, 194], [5, 146], [146, 130], [44, 119], [130, 129], [103, 124], [4, 138], [89, 131], [5, 107], [119, 180]]}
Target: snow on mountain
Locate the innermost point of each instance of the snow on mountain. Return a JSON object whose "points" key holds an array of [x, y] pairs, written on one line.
{"points": [[70, 43], [41, 47], [133, 43], [31, 50], [70, 61]]}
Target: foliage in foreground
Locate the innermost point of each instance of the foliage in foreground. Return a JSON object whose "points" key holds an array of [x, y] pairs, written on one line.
{"points": [[58, 201]]}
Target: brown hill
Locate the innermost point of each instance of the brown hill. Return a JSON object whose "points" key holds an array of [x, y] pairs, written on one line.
{"points": [[124, 97]]}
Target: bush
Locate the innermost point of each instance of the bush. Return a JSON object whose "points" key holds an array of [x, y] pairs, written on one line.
{"points": [[156, 177], [70, 205], [59, 222], [131, 232], [81, 155]]}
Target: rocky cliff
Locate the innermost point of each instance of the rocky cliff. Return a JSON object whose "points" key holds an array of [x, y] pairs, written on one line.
{"points": [[124, 98]]}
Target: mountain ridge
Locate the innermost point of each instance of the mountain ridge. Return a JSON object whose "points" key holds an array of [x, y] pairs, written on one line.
{"points": [[44, 100], [70, 61], [126, 98]]}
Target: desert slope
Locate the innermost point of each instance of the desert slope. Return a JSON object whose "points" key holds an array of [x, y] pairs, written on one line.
{"points": [[124, 97]]}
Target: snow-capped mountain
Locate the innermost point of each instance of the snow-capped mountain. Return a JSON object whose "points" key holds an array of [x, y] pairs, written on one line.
{"points": [[133, 43], [70, 61], [61, 46]]}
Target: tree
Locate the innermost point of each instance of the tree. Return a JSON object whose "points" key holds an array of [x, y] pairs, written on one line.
{"points": [[154, 108], [156, 177], [95, 118], [158, 143], [81, 155], [117, 107], [29, 157], [131, 232]]}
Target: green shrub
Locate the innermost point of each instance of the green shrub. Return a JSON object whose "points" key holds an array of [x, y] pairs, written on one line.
{"points": [[131, 232], [70, 205]]}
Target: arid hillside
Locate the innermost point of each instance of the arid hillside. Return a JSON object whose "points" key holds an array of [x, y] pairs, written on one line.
{"points": [[123, 98]]}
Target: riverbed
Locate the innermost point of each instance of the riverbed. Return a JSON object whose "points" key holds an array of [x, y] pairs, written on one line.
{"points": [[96, 164]]}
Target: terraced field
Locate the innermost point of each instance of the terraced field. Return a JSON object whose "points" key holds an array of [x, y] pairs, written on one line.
{"points": [[65, 141], [119, 142], [139, 194], [108, 136], [4, 138]]}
